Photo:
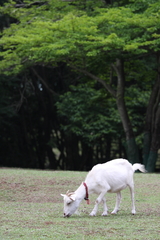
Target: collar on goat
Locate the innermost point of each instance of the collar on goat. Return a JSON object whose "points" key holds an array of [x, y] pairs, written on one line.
{"points": [[87, 195]]}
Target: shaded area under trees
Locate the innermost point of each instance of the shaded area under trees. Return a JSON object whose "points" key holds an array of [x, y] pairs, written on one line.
{"points": [[74, 67]]}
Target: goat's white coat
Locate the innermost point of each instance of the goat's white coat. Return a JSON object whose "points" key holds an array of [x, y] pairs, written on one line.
{"points": [[112, 177]]}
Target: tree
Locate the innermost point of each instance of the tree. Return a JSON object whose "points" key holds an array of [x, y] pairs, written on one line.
{"points": [[152, 126], [81, 116], [88, 39]]}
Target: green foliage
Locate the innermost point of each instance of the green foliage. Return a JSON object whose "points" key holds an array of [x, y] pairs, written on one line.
{"points": [[87, 36], [136, 102], [88, 113], [7, 100], [66, 33]]}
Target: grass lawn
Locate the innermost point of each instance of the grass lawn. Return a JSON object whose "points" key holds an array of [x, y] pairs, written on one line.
{"points": [[31, 208]]}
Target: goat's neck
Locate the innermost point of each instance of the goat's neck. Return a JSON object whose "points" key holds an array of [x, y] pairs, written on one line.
{"points": [[90, 184], [80, 192]]}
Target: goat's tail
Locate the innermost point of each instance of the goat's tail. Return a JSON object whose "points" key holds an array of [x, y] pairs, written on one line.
{"points": [[140, 167]]}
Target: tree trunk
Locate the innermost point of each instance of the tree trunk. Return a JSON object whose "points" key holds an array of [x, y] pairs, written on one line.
{"points": [[87, 157], [108, 148], [155, 144], [152, 128], [51, 157], [72, 152], [149, 122], [131, 147]]}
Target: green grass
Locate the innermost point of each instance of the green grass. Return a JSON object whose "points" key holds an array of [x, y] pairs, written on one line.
{"points": [[31, 208]]}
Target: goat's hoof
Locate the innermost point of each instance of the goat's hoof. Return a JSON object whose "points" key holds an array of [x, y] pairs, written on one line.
{"points": [[104, 214], [113, 213], [92, 214], [133, 212]]}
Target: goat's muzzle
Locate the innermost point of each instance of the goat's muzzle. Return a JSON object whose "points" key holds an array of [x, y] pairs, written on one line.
{"points": [[66, 215]]}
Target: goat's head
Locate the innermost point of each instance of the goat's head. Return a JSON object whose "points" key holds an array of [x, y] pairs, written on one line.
{"points": [[70, 203]]}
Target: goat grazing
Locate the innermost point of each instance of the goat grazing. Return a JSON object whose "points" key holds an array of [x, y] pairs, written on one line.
{"points": [[112, 177]]}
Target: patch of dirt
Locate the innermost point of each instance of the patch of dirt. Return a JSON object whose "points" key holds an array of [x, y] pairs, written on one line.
{"points": [[34, 190]]}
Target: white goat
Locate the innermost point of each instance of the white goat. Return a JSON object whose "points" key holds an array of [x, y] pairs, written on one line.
{"points": [[111, 177]]}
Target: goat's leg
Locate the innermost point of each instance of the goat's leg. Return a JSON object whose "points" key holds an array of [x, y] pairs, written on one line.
{"points": [[105, 211], [118, 201], [132, 199], [99, 199]]}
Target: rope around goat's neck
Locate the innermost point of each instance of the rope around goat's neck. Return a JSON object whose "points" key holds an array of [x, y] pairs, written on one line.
{"points": [[87, 195]]}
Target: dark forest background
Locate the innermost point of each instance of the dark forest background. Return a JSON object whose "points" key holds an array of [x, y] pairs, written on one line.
{"points": [[63, 115]]}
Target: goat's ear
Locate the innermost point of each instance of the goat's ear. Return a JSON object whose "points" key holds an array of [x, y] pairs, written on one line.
{"points": [[63, 195]]}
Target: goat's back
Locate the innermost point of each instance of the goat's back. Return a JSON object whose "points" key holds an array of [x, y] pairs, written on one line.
{"points": [[116, 175], [118, 165]]}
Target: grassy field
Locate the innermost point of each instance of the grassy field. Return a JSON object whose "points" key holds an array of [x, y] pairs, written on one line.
{"points": [[31, 208]]}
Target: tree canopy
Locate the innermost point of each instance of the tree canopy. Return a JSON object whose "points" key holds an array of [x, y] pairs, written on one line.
{"points": [[77, 36], [113, 44]]}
